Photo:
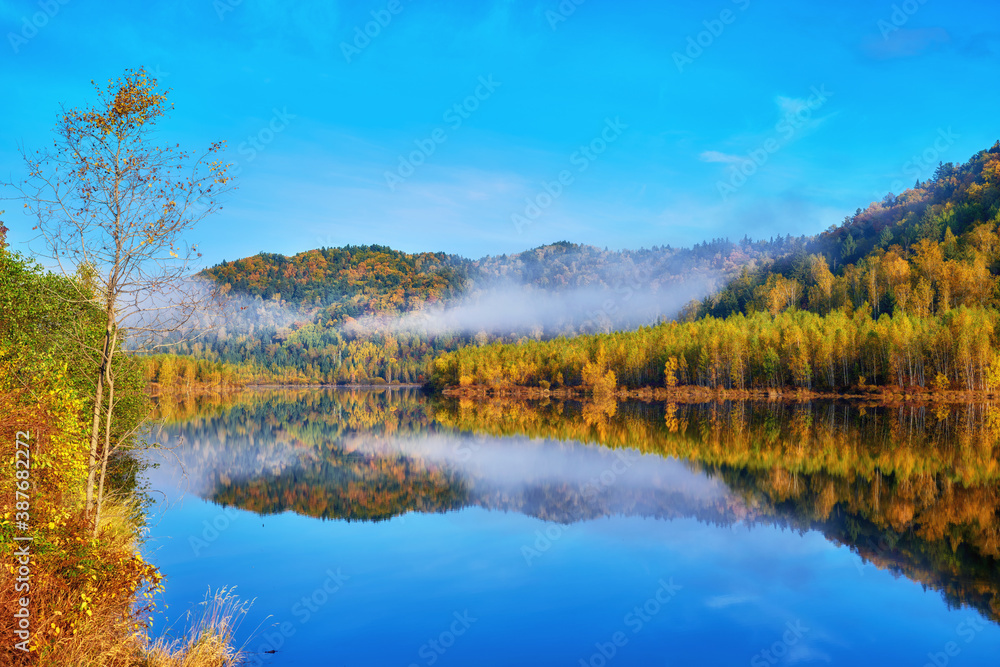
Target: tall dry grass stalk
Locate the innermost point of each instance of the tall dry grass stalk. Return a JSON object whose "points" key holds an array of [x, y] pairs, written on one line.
{"points": [[208, 639]]}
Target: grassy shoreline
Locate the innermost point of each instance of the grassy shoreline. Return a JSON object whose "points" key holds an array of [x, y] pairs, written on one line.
{"points": [[679, 394]]}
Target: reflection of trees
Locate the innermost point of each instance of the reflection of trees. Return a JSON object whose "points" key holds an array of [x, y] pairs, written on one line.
{"points": [[348, 486], [959, 443], [940, 534], [910, 490], [308, 416]]}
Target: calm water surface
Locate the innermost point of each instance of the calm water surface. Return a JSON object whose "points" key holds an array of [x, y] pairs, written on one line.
{"points": [[386, 528]]}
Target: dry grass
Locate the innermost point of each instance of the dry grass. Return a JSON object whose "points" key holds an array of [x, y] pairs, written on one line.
{"points": [[91, 602], [90, 599], [209, 640]]}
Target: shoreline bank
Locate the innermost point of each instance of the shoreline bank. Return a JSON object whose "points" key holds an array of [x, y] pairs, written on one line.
{"points": [[689, 394]]}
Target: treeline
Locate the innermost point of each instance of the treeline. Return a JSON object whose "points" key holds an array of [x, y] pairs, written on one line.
{"points": [[172, 373], [310, 353], [956, 350], [177, 373]]}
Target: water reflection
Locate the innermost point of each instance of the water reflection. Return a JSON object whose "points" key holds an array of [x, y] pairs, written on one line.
{"points": [[911, 490]]}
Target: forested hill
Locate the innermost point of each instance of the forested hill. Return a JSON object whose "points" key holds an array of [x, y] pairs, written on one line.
{"points": [[932, 248], [924, 251], [564, 265], [358, 280], [349, 281], [291, 317]]}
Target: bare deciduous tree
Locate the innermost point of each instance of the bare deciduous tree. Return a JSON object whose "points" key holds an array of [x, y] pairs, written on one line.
{"points": [[112, 208]]}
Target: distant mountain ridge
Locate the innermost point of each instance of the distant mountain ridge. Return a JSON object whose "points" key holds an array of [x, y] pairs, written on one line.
{"points": [[353, 281]]}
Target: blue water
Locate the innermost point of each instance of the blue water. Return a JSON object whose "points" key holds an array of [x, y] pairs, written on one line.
{"points": [[494, 586]]}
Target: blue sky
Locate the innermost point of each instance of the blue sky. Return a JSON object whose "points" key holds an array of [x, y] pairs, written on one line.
{"points": [[647, 112]]}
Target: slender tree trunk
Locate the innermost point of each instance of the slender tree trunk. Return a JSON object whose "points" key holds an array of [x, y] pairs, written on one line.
{"points": [[95, 432], [106, 453]]}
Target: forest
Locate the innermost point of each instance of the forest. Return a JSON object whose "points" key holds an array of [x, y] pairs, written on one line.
{"points": [[345, 283], [325, 316], [902, 294]]}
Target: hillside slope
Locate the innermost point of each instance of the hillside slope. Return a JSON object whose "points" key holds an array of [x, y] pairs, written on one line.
{"points": [[901, 294], [930, 249]]}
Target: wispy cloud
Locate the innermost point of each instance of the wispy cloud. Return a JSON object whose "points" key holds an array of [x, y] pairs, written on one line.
{"points": [[806, 653], [791, 105], [906, 43], [717, 156], [723, 601]]}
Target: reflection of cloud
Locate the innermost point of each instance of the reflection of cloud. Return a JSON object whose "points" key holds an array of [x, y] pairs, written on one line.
{"points": [[906, 43], [723, 601], [558, 480], [195, 457], [805, 653], [516, 463], [983, 45]]}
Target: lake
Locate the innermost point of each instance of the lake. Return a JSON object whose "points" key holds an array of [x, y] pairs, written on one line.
{"points": [[392, 528]]}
